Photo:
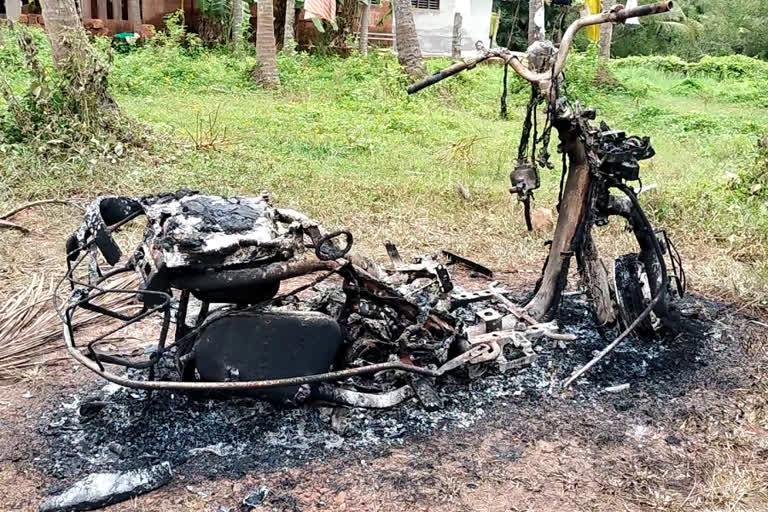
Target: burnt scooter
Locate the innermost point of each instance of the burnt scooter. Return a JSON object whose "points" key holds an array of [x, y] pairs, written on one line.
{"points": [[235, 252], [380, 337]]}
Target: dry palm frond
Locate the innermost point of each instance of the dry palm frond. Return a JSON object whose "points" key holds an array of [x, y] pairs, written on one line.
{"points": [[12, 225], [30, 328], [461, 150]]}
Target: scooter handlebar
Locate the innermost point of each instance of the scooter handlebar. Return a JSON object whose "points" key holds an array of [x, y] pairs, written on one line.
{"points": [[616, 16]]}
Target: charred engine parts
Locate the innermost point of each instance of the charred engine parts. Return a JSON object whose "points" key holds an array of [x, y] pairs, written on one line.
{"points": [[214, 266], [525, 179], [642, 278], [620, 155]]}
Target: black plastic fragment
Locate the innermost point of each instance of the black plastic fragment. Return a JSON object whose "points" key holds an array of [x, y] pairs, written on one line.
{"points": [[472, 265], [426, 393]]}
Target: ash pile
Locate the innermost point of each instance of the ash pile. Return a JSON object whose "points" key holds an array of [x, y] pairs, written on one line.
{"points": [[114, 428]]}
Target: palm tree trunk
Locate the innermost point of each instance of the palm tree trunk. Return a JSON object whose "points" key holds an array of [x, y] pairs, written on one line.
{"points": [[61, 23], [237, 22], [536, 21], [408, 49], [289, 37], [606, 32], [456, 41], [365, 20], [266, 73], [74, 56]]}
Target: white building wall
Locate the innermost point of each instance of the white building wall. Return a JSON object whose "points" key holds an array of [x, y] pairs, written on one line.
{"points": [[435, 27]]}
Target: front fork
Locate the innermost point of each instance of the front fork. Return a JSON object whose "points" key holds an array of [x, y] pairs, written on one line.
{"points": [[586, 199]]}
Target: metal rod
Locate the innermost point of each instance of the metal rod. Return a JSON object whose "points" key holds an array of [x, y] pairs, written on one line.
{"points": [[270, 273]]}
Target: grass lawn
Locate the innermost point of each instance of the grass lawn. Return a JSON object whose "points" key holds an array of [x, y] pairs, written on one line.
{"points": [[343, 142]]}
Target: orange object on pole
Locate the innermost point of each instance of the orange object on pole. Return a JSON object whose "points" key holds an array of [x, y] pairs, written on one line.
{"points": [[593, 31]]}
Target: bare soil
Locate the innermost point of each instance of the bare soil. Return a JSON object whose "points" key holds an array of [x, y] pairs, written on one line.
{"points": [[691, 433]]}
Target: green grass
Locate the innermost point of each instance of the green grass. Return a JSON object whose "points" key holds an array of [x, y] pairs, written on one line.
{"points": [[343, 142]]}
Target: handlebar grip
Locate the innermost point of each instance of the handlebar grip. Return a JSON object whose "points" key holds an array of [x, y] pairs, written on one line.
{"points": [[443, 74]]}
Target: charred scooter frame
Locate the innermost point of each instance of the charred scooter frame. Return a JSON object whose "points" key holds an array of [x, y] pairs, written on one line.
{"points": [[376, 340], [236, 251], [595, 160]]}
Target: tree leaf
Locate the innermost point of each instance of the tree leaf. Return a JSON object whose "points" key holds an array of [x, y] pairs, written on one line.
{"points": [[318, 23]]}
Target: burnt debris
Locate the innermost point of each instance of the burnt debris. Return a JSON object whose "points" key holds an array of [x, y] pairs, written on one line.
{"points": [[102, 489], [374, 338], [213, 438]]}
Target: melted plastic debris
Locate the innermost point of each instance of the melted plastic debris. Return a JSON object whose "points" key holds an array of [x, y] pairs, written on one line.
{"points": [[101, 489]]}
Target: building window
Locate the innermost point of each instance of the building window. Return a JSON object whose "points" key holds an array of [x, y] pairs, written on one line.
{"points": [[426, 4]]}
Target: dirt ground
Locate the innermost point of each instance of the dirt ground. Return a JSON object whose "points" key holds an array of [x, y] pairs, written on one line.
{"points": [[691, 433]]}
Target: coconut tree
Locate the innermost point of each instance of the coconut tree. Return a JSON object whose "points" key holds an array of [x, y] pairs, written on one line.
{"points": [[266, 73], [365, 20], [237, 22], [83, 74], [289, 38], [134, 14], [408, 49], [62, 23]]}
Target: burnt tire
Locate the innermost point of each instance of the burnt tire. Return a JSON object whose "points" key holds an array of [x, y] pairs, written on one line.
{"points": [[633, 294]]}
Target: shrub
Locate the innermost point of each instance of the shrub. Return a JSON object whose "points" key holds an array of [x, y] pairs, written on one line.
{"points": [[730, 67], [666, 63], [719, 68], [753, 181]]}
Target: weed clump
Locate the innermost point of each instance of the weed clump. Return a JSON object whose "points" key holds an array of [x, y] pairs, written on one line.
{"points": [[62, 108], [718, 68], [753, 181], [665, 63]]}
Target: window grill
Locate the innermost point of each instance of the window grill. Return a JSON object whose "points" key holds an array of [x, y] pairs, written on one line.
{"points": [[426, 4]]}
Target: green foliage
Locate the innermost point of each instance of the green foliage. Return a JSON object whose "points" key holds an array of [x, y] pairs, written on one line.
{"points": [[219, 9], [216, 20], [696, 28], [59, 108], [666, 63], [728, 67], [688, 86], [752, 182], [176, 37], [175, 58]]}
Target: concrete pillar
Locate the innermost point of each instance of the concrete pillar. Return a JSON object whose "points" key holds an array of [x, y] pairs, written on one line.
{"points": [[536, 21], [101, 9], [117, 9], [12, 9]]}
